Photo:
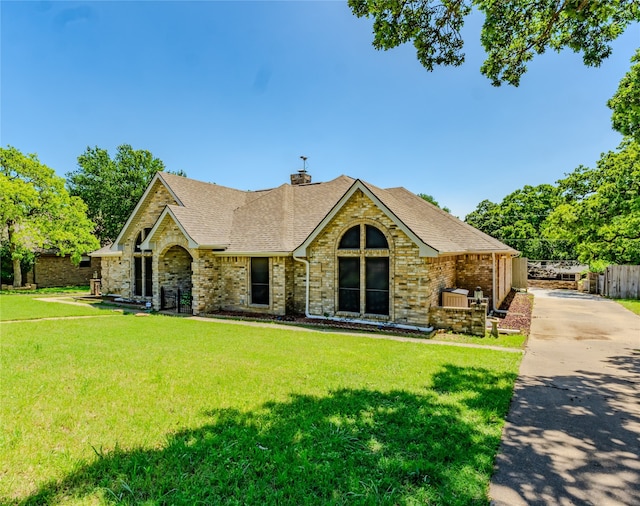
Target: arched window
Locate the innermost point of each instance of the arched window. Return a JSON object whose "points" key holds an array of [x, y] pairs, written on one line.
{"points": [[363, 267], [375, 239], [351, 238]]}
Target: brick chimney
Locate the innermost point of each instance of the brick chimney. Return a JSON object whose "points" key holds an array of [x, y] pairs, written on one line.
{"points": [[302, 177]]}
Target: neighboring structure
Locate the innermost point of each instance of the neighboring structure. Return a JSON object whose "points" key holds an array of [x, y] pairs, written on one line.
{"points": [[555, 273], [343, 248], [51, 269]]}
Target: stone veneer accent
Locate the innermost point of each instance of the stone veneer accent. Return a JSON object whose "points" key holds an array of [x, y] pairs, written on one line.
{"points": [[471, 320], [117, 272], [112, 275]]}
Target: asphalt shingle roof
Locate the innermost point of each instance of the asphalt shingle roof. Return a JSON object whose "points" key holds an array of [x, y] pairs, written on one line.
{"points": [[280, 219]]}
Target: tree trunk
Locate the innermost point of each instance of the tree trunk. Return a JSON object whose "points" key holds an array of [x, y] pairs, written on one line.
{"points": [[17, 273]]}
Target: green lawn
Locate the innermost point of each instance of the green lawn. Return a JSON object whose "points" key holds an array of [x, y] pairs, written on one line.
{"points": [[630, 304], [25, 307], [161, 410]]}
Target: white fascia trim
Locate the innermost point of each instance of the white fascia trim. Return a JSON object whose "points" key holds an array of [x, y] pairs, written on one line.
{"points": [[149, 244], [479, 252], [424, 249], [251, 253], [96, 254], [156, 177]]}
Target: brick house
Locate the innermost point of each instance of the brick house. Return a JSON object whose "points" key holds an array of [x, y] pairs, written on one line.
{"points": [[343, 248], [52, 269]]}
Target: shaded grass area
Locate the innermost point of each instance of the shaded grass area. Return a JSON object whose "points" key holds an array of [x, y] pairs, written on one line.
{"points": [[30, 306], [631, 304], [69, 290], [163, 410]]}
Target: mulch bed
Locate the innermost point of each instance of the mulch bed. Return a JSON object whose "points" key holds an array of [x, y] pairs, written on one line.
{"points": [[321, 323], [520, 307]]}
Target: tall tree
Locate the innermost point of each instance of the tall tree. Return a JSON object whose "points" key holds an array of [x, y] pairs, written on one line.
{"points": [[625, 104], [37, 211], [514, 31], [111, 187], [519, 222], [600, 212]]}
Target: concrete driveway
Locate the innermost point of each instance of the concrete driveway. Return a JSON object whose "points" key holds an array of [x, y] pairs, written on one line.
{"points": [[573, 430]]}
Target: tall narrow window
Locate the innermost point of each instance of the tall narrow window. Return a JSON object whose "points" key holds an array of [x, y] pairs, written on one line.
{"points": [[375, 276], [349, 284], [377, 285], [148, 276], [260, 281], [137, 267], [142, 267]]}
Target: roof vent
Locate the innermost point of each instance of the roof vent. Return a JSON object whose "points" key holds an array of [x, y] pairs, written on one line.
{"points": [[302, 177]]}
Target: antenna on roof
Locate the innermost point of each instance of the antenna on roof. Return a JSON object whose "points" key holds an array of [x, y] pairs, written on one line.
{"points": [[301, 177]]}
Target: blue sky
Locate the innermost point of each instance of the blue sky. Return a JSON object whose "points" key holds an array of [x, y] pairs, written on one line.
{"points": [[235, 92]]}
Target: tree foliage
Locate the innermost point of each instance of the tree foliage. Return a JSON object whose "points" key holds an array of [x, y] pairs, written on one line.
{"points": [[519, 222], [593, 214], [432, 200], [514, 31], [111, 187], [600, 209], [37, 211], [625, 104]]}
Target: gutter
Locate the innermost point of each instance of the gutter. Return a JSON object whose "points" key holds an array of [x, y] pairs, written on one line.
{"points": [[349, 320]]}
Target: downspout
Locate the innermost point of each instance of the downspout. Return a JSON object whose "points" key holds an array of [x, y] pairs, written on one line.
{"points": [[307, 314], [306, 280], [493, 291]]}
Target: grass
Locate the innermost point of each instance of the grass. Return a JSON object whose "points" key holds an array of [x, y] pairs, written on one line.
{"points": [[630, 304], [161, 410], [503, 340], [25, 306], [70, 290]]}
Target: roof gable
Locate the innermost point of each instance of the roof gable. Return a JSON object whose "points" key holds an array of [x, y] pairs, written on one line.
{"points": [[286, 219], [425, 249], [156, 180]]}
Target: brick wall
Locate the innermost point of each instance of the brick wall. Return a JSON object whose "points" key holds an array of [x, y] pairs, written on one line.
{"points": [[117, 273], [471, 320], [52, 270], [473, 271], [233, 290], [477, 270], [415, 282]]}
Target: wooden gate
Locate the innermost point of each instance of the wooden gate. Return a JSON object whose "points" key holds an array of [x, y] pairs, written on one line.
{"points": [[622, 282], [519, 273]]}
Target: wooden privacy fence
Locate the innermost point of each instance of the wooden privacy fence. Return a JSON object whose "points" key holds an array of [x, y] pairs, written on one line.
{"points": [[622, 282], [519, 273]]}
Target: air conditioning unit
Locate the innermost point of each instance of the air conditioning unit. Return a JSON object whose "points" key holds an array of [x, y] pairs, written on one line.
{"points": [[455, 297]]}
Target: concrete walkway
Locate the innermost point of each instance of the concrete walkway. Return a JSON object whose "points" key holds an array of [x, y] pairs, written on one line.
{"points": [[573, 430]]}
